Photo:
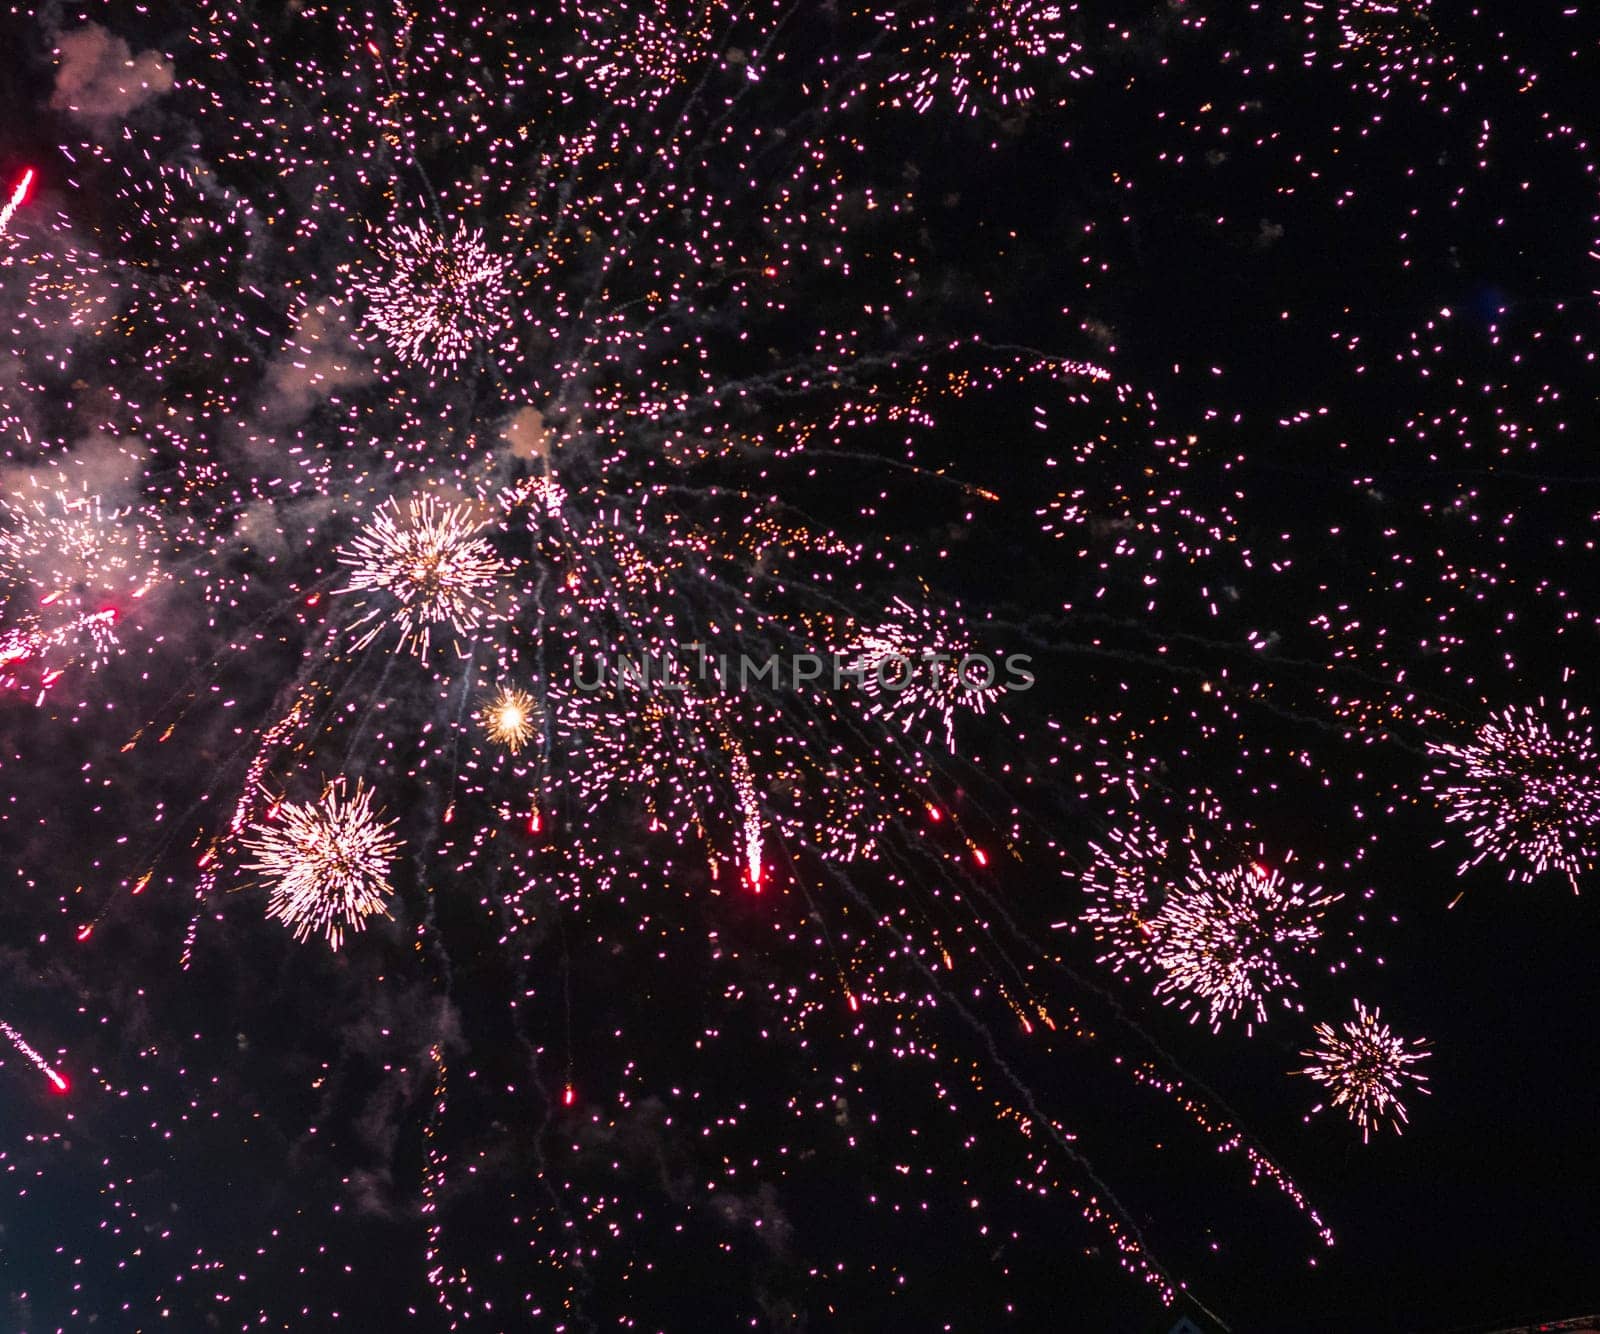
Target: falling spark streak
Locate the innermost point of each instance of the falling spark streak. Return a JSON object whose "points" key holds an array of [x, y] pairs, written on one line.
{"points": [[18, 198], [744, 787], [57, 1080]]}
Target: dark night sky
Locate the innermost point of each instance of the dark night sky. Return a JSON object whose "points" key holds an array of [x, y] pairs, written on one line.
{"points": [[277, 1112]]}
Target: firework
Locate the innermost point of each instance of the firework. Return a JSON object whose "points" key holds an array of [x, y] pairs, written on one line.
{"points": [[90, 637], [57, 1080], [982, 59], [1365, 1066], [1527, 789], [327, 862], [432, 563], [1224, 941], [672, 326], [920, 664], [635, 58], [1127, 887], [436, 298], [74, 568], [19, 196], [511, 719]]}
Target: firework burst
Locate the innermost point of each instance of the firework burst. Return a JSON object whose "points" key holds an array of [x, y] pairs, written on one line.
{"points": [[984, 58], [920, 665], [1365, 1066], [73, 568], [327, 862], [637, 57], [1127, 886], [1224, 941], [511, 719], [437, 298], [430, 565], [1527, 789], [707, 301]]}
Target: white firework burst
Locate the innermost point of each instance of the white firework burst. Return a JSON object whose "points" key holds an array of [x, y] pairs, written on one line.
{"points": [[1225, 940], [1527, 790], [327, 862], [919, 664], [430, 565], [1365, 1066], [70, 568], [437, 298], [1127, 885]]}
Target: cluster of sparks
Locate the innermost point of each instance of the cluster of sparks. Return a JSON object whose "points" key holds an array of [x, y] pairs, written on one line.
{"points": [[70, 568], [921, 665], [429, 566], [1527, 789], [638, 392], [1219, 942], [510, 719], [326, 863], [1364, 1065], [988, 56], [437, 296]]}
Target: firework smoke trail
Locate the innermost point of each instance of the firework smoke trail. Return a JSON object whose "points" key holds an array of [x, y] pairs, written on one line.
{"points": [[57, 1080], [251, 792]]}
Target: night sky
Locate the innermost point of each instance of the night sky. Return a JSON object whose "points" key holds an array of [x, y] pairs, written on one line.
{"points": [[1234, 362]]}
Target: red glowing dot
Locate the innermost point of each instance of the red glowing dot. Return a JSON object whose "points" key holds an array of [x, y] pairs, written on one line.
{"points": [[569, 1097], [85, 931], [980, 856], [58, 1082]]}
